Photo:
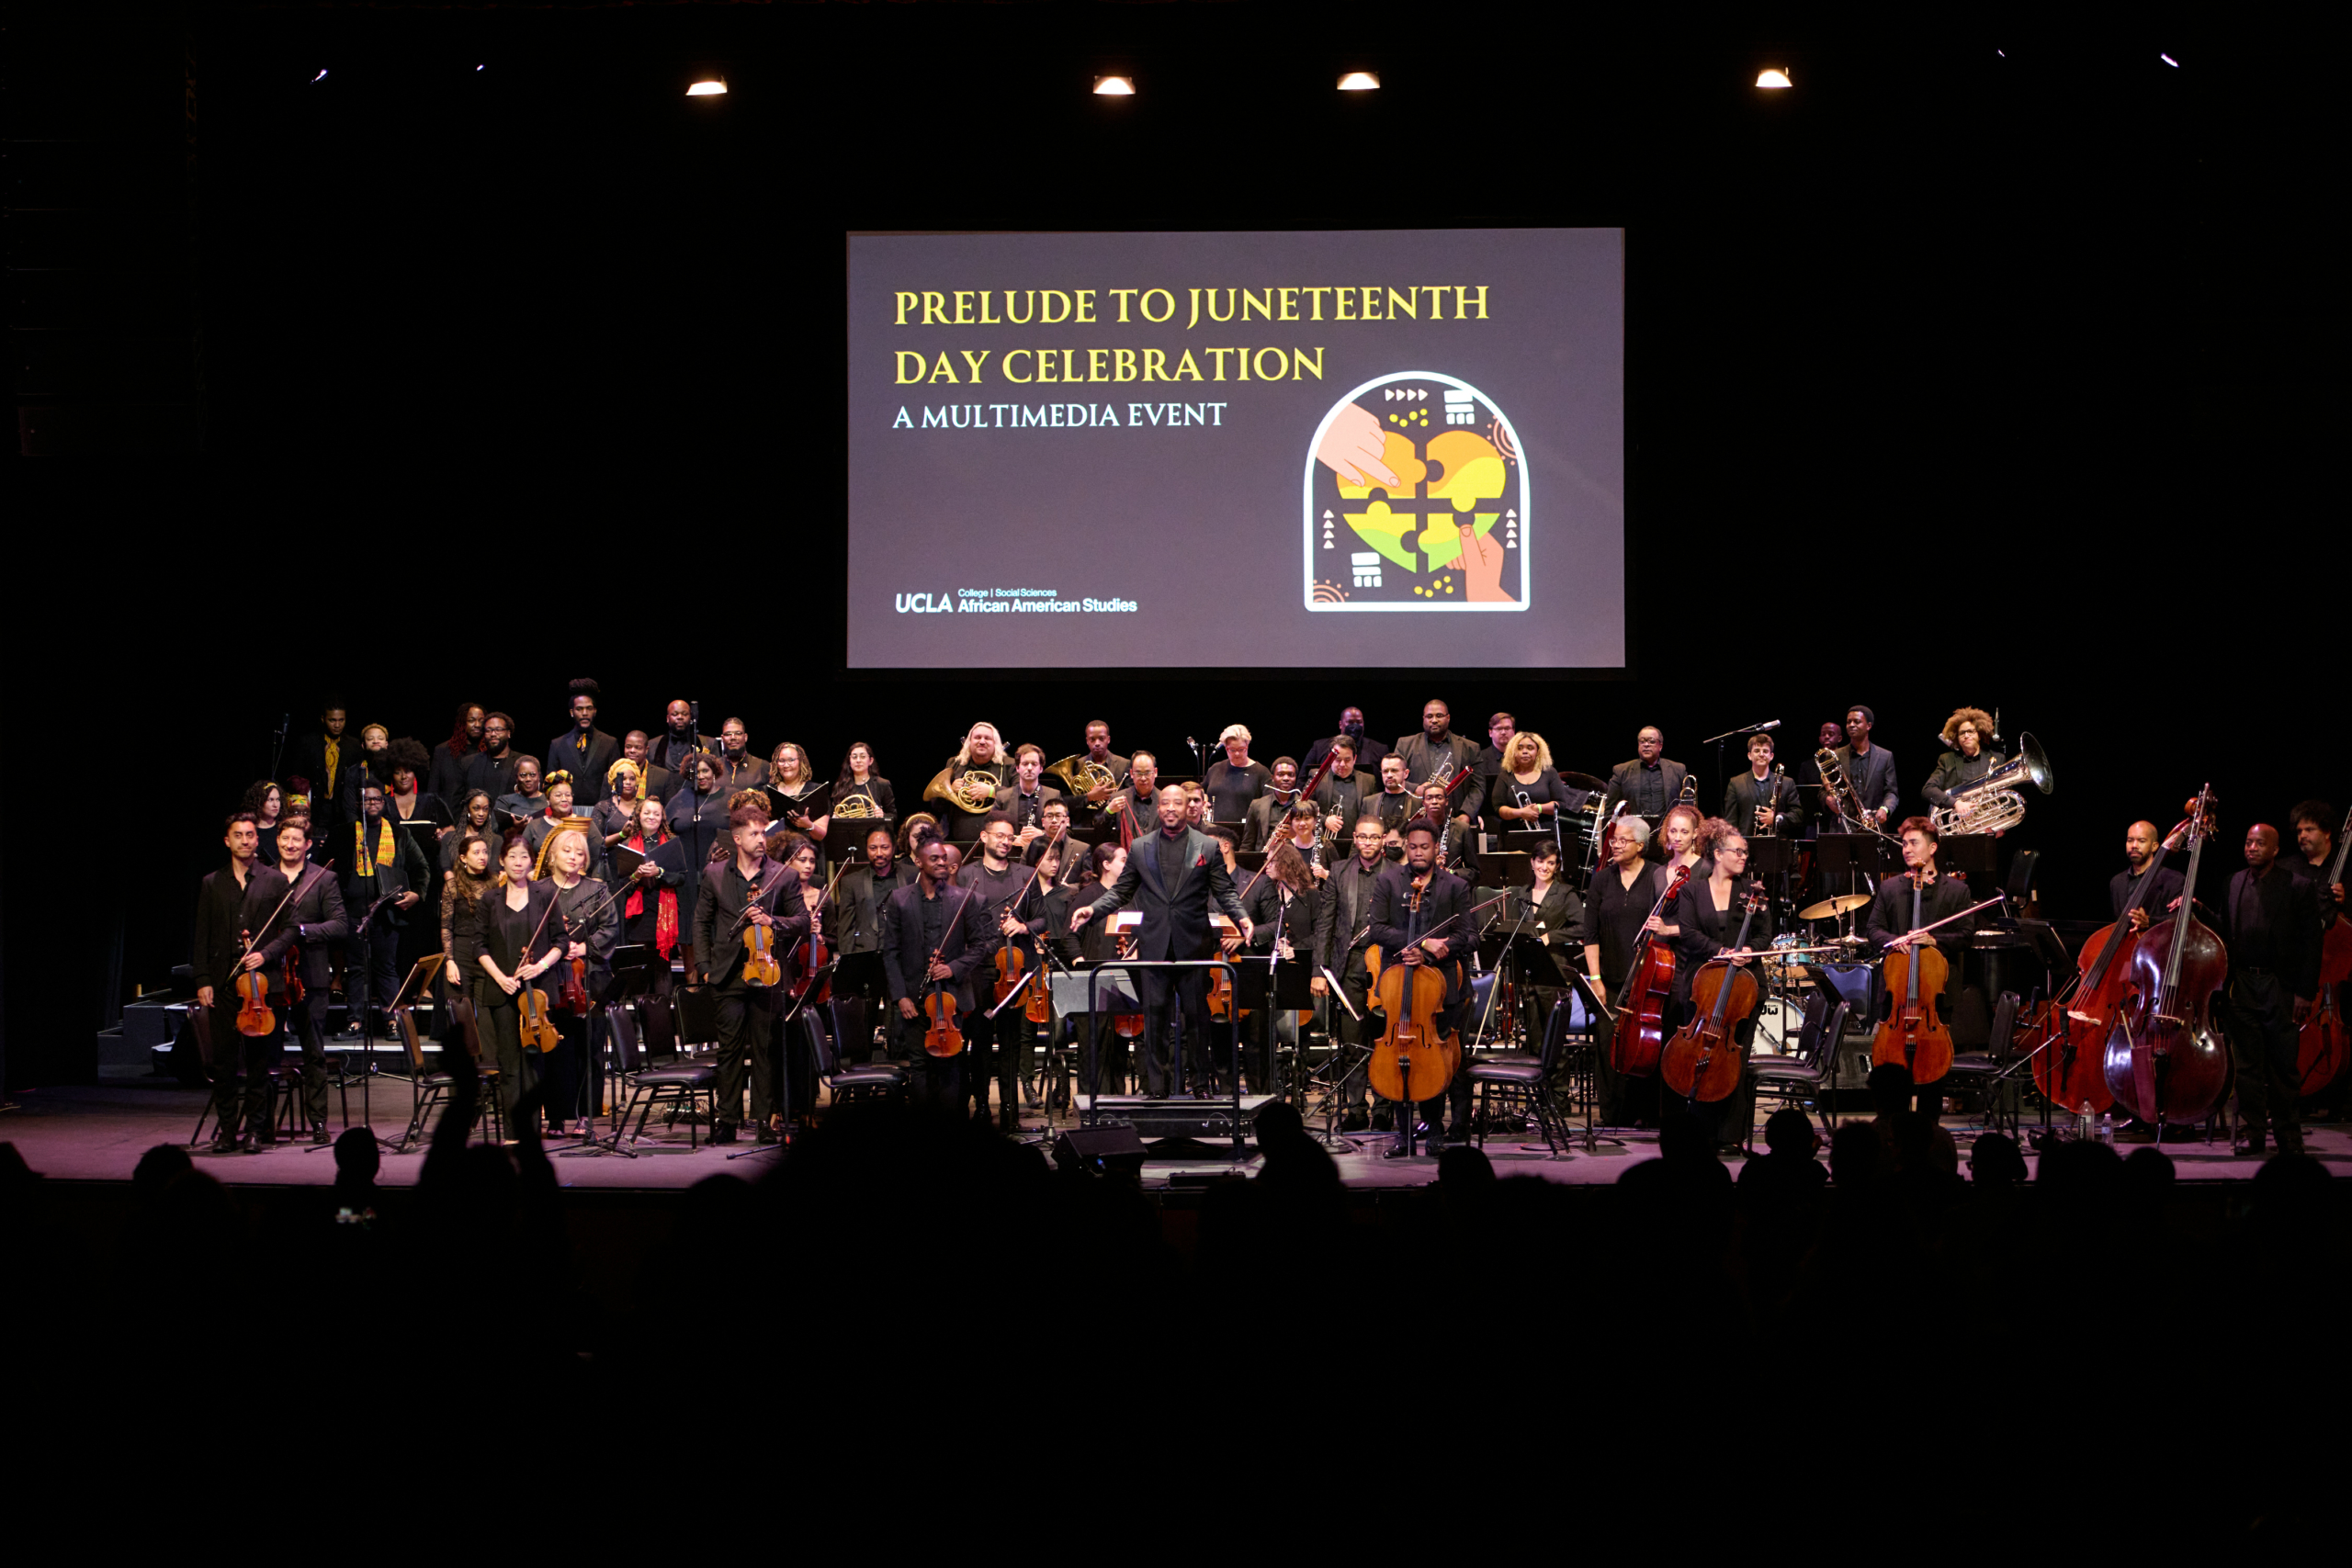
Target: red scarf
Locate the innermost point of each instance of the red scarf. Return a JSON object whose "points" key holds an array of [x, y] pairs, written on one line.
{"points": [[665, 911]]}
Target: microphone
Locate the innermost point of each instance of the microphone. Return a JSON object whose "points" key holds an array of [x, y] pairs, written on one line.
{"points": [[1770, 723]]}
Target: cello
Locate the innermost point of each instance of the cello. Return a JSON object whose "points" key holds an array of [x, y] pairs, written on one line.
{"points": [[2072, 1076], [1913, 1031], [2164, 1061], [1635, 1044], [1702, 1062], [2324, 1046], [1410, 1062]]}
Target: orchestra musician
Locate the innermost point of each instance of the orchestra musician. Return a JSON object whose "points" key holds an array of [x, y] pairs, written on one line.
{"points": [[966, 788], [1137, 800], [2143, 855], [1395, 805], [1093, 774], [232, 903], [1617, 914], [1196, 806], [1679, 840], [583, 750], [854, 927], [1549, 910], [699, 818], [994, 881], [2271, 923], [679, 740], [313, 919], [1340, 795], [1025, 798], [931, 933], [2315, 822], [737, 769], [1708, 916], [385, 863], [801, 801], [1831, 736], [1761, 801], [470, 877], [1096, 945], [1434, 749], [1443, 913], [1233, 781], [1460, 839], [1528, 791], [1368, 752], [652, 896], [522, 803], [1889, 926], [615, 816], [1037, 922], [1171, 877], [589, 930], [1870, 768], [1966, 733], [1261, 820], [860, 792], [514, 939], [742, 890], [1501, 729], [444, 778], [655, 782], [1648, 781], [1342, 930], [1283, 898]]}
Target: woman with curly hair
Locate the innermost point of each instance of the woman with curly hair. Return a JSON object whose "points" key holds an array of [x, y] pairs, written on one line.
{"points": [[267, 802], [1969, 734], [407, 800]]}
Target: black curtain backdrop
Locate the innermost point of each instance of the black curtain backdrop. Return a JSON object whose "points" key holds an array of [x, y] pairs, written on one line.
{"points": [[1954, 379]]}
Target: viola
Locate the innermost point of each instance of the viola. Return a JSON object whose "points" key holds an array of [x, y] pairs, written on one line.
{"points": [[1913, 1031], [1702, 1062], [1411, 1062], [574, 989], [2164, 1061], [1639, 1038], [2323, 1046]]}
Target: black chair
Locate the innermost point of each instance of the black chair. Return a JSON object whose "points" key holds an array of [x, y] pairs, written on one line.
{"points": [[880, 1080], [285, 1082], [1809, 1078], [681, 1083], [428, 1089], [1980, 1072], [1513, 1080]]}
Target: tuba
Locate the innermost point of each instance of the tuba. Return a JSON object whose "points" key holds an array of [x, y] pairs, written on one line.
{"points": [[974, 793], [1993, 806]]}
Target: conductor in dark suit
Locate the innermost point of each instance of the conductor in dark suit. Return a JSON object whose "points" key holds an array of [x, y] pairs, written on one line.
{"points": [[584, 751], [1169, 876], [1649, 782], [1442, 919]]}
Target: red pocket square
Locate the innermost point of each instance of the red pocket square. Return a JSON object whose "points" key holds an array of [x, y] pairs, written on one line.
{"points": [[1200, 862]]}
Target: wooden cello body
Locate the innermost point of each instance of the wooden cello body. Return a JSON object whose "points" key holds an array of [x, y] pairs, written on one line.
{"points": [[2164, 1061], [1411, 1062], [1914, 1032], [2324, 1046], [1702, 1062], [1639, 1039]]}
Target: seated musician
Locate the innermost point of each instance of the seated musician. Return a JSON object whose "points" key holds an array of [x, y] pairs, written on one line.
{"points": [[1967, 734], [1761, 801], [933, 937], [1265, 814], [1419, 918], [1708, 914], [1889, 927], [1549, 910]]}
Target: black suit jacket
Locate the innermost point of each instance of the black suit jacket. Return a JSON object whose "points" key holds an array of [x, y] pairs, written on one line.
{"points": [[315, 918], [1742, 795], [223, 910], [1175, 919], [721, 899], [1620, 779], [1445, 903], [1873, 780], [1343, 910], [587, 773], [1009, 799], [967, 941], [1890, 913], [406, 874]]}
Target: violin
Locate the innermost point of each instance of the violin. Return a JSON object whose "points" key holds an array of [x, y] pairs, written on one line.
{"points": [[1913, 1031], [2163, 1060], [254, 1019], [1702, 1062], [1639, 1039], [819, 954], [2324, 1046], [1411, 1063], [2072, 1073], [760, 965], [538, 1030], [941, 1036]]}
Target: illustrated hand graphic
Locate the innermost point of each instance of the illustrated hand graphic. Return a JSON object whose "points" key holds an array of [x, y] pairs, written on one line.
{"points": [[1353, 448], [1482, 568]]}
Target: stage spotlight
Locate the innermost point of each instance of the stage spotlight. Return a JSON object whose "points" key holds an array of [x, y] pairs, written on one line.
{"points": [[1360, 81], [1115, 86], [711, 85], [2168, 60], [1773, 76], [321, 75]]}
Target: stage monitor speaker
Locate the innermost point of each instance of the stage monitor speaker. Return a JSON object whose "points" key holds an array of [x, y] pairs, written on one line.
{"points": [[1101, 1151]]}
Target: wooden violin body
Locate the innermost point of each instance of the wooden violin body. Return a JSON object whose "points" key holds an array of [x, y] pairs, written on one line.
{"points": [[254, 1019], [2168, 1063], [1412, 1063], [1913, 1031], [575, 987], [536, 1029], [1702, 1062], [760, 965], [941, 1037]]}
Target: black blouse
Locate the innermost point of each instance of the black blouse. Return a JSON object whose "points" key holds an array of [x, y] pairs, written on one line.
{"points": [[1617, 913], [503, 931]]}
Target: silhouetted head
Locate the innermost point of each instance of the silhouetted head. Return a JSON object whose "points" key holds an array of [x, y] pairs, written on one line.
{"points": [[357, 1160], [1788, 1133], [1853, 1155], [1890, 1087], [1994, 1161]]}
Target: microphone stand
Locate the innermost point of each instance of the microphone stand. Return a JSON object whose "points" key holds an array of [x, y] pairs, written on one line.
{"points": [[277, 750]]}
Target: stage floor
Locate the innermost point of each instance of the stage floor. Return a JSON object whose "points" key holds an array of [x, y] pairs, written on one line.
{"points": [[98, 1133]]}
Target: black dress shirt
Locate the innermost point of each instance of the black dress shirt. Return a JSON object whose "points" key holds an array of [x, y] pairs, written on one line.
{"points": [[1647, 788], [495, 776], [1343, 797], [853, 923], [725, 893], [1873, 777], [1953, 770], [1891, 914], [2273, 924], [1368, 754], [1618, 912], [223, 911], [2167, 888]]}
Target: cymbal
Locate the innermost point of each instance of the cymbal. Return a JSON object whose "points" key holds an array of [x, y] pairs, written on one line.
{"points": [[1830, 908], [1581, 780]]}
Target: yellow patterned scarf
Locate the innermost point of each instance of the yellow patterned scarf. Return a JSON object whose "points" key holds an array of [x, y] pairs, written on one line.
{"points": [[383, 849]]}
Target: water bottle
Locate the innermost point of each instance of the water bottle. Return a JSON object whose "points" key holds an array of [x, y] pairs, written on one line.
{"points": [[2083, 1128], [2107, 1130]]}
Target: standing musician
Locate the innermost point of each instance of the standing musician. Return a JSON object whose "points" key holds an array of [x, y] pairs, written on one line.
{"points": [[1036, 922], [1196, 804], [514, 939], [679, 738], [1234, 780], [2144, 850], [853, 925], [1261, 821], [994, 881], [1549, 910], [1528, 791], [233, 904], [470, 870], [737, 769], [931, 932], [492, 769], [1823, 816], [655, 782], [1708, 914], [967, 788], [1502, 728], [1340, 795], [1342, 929], [385, 863], [584, 751], [1680, 843], [314, 917], [1434, 748], [1097, 945], [519, 805], [860, 792], [1095, 773], [1444, 901], [1302, 829], [616, 814], [652, 896], [1460, 841], [1055, 823], [1966, 733], [1889, 926], [1395, 805], [1368, 752], [2270, 921], [1139, 800], [1621, 895], [322, 757], [589, 930], [445, 776], [1025, 798], [1761, 801], [1649, 782], [738, 893], [1282, 897], [2315, 822], [698, 816], [1170, 876], [802, 803], [1870, 768]]}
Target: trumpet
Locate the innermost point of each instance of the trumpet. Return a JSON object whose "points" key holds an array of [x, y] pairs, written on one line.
{"points": [[1993, 805]]}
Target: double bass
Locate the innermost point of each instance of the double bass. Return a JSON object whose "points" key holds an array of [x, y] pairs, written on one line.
{"points": [[2071, 1070], [1639, 1039], [2324, 1046], [2164, 1061], [1913, 1031], [1702, 1062]]}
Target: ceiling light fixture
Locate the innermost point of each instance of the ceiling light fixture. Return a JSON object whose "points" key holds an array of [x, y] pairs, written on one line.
{"points": [[1360, 81], [1115, 86], [1773, 76], [710, 86]]}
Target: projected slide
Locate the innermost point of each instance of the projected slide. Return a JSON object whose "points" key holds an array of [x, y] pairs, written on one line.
{"points": [[1377, 448]]}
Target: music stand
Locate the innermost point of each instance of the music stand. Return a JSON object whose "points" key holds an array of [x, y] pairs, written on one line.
{"points": [[1508, 868], [402, 999], [1855, 856], [634, 970], [1969, 857]]}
